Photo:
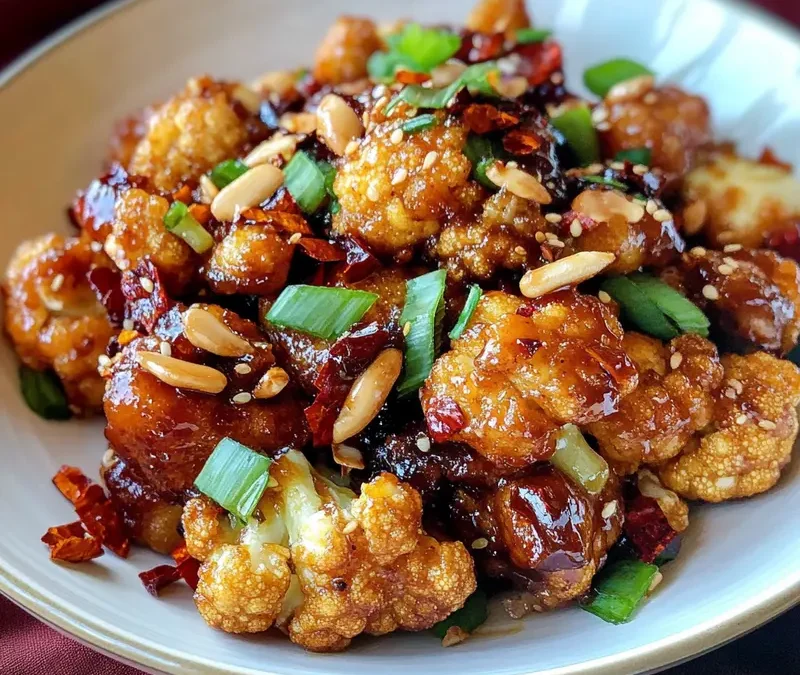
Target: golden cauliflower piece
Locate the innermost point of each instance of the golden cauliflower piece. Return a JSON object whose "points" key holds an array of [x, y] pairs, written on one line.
{"points": [[673, 401], [743, 200], [523, 369], [391, 198], [342, 55], [324, 564], [498, 16], [751, 437], [53, 317], [189, 134]]}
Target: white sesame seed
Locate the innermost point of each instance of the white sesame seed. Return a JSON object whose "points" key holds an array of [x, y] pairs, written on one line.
{"points": [[520, 250], [147, 284], [732, 248], [350, 527], [412, 113], [730, 393], [575, 228], [557, 78], [165, 348], [351, 148], [650, 98], [512, 165], [604, 297], [372, 193], [698, 251], [297, 236], [96, 246], [640, 169], [710, 292], [103, 360], [657, 577], [609, 509], [242, 397], [603, 126], [550, 236], [599, 114], [662, 215], [481, 542], [553, 218], [242, 368], [365, 119], [725, 269], [424, 443], [127, 324], [399, 176], [730, 262], [675, 360], [379, 91], [741, 419], [406, 328], [593, 168], [430, 159], [382, 101], [736, 384], [767, 425], [57, 283], [556, 242], [651, 207], [397, 136], [617, 166]]}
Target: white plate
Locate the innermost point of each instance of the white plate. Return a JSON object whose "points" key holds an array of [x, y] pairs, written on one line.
{"points": [[739, 564]]}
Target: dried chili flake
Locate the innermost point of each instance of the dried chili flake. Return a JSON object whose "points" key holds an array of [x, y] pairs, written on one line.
{"points": [[321, 250], [291, 223], [188, 567], [769, 158], [522, 141], [158, 578], [483, 118], [142, 306], [786, 242], [478, 47], [587, 224], [71, 543], [538, 61], [71, 482], [410, 77], [647, 528], [283, 201], [444, 417], [183, 194], [106, 284], [359, 261]]}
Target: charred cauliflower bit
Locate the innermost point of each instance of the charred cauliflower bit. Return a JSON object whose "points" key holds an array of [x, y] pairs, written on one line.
{"points": [[188, 135], [342, 55], [324, 564], [53, 317], [751, 437]]}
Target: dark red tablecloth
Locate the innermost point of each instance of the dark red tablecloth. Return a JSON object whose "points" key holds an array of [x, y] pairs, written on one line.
{"points": [[27, 647]]}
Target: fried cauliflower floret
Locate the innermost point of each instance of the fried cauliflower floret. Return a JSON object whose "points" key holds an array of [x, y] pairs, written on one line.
{"points": [[522, 369], [667, 120], [53, 317], [673, 401], [743, 200], [394, 201], [189, 134], [323, 563], [342, 55], [751, 437], [138, 232], [498, 16]]}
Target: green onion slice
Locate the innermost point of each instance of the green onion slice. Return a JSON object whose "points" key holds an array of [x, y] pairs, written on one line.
{"points": [[480, 151], [305, 181], [235, 477], [426, 47], [639, 309], [381, 66], [619, 589], [527, 36], [424, 310], [226, 172], [473, 298], [329, 174], [635, 156], [44, 394], [578, 461], [605, 181], [183, 224], [601, 78], [319, 310], [473, 614], [575, 124], [419, 123], [683, 312]]}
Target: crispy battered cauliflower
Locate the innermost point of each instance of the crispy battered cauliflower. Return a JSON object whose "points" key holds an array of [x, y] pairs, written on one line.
{"points": [[53, 317], [342, 55], [751, 437], [743, 200], [323, 564], [498, 16]]}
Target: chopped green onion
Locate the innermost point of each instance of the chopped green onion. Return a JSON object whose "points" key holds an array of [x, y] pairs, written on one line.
{"points": [[575, 124], [381, 66], [414, 48], [578, 461], [419, 123], [329, 173], [605, 181], [44, 394], [305, 181], [235, 477], [601, 78], [183, 224], [473, 298], [639, 309], [472, 614], [481, 153], [635, 156], [228, 171], [424, 310], [319, 310], [618, 590], [683, 312], [527, 36]]}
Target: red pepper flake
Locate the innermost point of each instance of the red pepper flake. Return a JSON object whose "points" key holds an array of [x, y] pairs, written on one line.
{"points": [[483, 118], [444, 417], [283, 201], [587, 224], [478, 47], [538, 61], [321, 250], [106, 284], [291, 223], [143, 307], [786, 242], [769, 158], [522, 142], [183, 194], [359, 261], [70, 543], [410, 77], [647, 527], [158, 578], [188, 567], [71, 482]]}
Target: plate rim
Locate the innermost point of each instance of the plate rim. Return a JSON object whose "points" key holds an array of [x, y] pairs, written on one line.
{"points": [[110, 639]]}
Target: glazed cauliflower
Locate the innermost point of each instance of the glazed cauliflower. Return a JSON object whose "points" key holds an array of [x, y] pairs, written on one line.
{"points": [[498, 16], [342, 55], [751, 437], [323, 564]]}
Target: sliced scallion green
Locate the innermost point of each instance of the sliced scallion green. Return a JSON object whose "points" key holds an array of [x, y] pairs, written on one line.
{"points": [[575, 124], [426, 47], [578, 461], [635, 156], [329, 174], [683, 312], [183, 224], [481, 153], [44, 394], [473, 298], [226, 172], [601, 78], [474, 613], [424, 310], [605, 181], [305, 181], [320, 310], [527, 36], [381, 66], [638, 309], [618, 589], [235, 477], [419, 123]]}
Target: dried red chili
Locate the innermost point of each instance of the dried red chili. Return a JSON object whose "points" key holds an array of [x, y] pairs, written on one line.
{"points": [[71, 482], [786, 242], [143, 307], [188, 567], [647, 528], [158, 578], [70, 543], [522, 141], [478, 47], [538, 61], [769, 158], [321, 250], [483, 118], [444, 418], [410, 77], [359, 261], [106, 284]]}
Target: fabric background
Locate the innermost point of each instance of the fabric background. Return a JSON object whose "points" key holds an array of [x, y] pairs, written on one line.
{"points": [[28, 647]]}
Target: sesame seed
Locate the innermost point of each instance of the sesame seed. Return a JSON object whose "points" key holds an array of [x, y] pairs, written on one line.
{"points": [[710, 292], [424, 443], [372, 193], [540, 237], [603, 126], [730, 393], [650, 98], [698, 251], [651, 207], [480, 542], [57, 283], [242, 368], [617, 166], [297, 236], [127, 324], [767, 425], [147, 284], [165, 348], [242, 397], [640, 169], [350, 527], [662, 215], [351, 148], [399, 176], [550, 236], [411, 113], [96, 246], [557, 78], [609, 509], [430, 159], [675, 360], [103, 360], [593, 168], [520, 250], [575, 228], [737, 385], [406, 328], [382, 101], [553, 218], [557, 243], [365, 119], [657, 577], [725, 270], [512, 165], [741, 419], [604, 297], [397, 136], [732, 248], [730, 262], [599, 114]]}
